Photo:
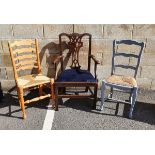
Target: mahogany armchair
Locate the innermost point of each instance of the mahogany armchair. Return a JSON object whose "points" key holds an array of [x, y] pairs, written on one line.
{"points": [[75, 76]]}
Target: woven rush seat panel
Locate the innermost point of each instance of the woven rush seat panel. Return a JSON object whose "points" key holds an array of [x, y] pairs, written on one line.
{"points": [[122, 80], [32, 80]]}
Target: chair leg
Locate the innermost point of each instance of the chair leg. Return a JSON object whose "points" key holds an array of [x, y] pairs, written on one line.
{"points": [[56, 98], [22, 102], [87, 88], [40, 90], [62, 90], [111, 93], [52, 93], [18, 96], [95, 97], [133, 101], [102, 94], [130, 97]]}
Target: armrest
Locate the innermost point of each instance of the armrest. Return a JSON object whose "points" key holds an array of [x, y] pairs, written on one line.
{"points": [[94, 58], [95, 66]]}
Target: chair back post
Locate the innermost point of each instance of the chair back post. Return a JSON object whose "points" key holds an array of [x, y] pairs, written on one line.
{"points": [[89, 52], [38, 59], [60, 46], [139, 59], [13, 63], [113, 57]]}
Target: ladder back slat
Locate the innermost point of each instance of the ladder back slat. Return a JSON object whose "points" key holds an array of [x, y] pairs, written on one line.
{"points": [[23, 57], [24, 50], [22, 43], [27, 67], [21, 63]]}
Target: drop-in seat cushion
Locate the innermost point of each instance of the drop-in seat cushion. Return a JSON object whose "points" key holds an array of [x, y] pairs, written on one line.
{"points": [[76, 75]]}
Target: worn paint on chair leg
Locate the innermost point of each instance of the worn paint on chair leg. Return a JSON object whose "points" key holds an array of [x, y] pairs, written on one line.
{"points": [[22, 102], [130, 97], [102, 94], [95, 97], [133, 101], [111, 92]]}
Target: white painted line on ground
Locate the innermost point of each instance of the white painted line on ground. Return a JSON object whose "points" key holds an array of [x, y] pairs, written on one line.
{"points": [[49, 117]]}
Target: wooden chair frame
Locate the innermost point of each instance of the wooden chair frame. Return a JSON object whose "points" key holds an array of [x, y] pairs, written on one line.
{"points": [[131, 90], [20, 89], [75, 38]]}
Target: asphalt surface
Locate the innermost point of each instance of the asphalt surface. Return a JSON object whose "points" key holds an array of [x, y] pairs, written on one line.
{"points": [[76, 114], [11, 115]]}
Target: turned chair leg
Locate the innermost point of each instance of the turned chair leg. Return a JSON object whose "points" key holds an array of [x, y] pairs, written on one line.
{"points": [[56, 98], [102, 94], [40, 90], [18, 96], [22, 102], [133, 101], [52, 93]]}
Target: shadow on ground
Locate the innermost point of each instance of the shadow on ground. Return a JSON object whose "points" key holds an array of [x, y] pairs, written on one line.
{"points": [[143, 112], [11, 99]]}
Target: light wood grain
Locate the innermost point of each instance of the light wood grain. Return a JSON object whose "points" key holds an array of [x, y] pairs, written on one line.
{"points": [[37, 98], [24, 57], [27, 67], [22, 63], [22, 43], [24, 50]]}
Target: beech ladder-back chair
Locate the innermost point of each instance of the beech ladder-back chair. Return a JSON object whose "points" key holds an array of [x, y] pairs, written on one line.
{"points": [[75, 77], [25, 56], [123, 82]]}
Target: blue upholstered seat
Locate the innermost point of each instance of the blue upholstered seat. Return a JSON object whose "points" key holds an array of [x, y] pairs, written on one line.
{"points": [[73, 75]]}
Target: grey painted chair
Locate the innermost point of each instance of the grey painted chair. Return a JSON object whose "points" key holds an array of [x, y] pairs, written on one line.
{"points": [[123, 82]]}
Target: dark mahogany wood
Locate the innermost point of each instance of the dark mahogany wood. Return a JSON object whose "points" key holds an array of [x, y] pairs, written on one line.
{"points": [[74, 44]]}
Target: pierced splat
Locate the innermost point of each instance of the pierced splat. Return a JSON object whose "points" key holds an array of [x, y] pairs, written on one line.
{"points": [[74, 46]]}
